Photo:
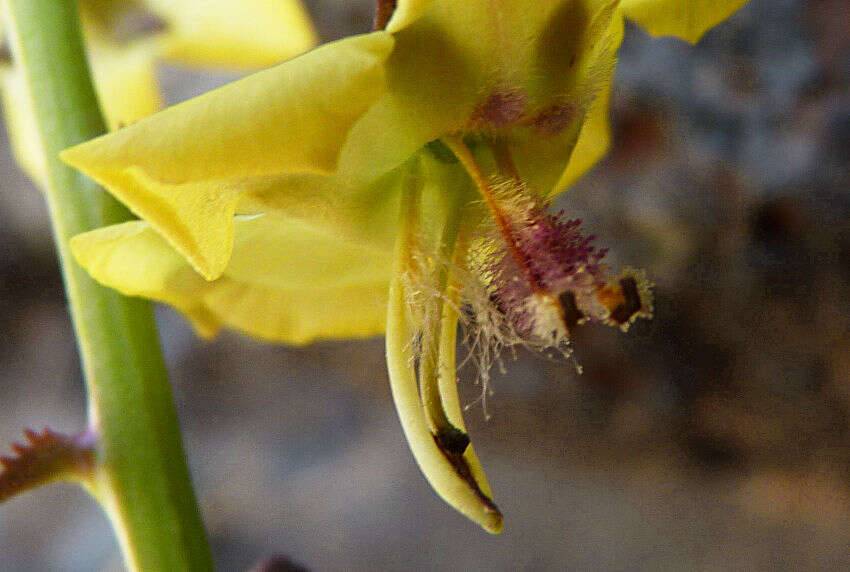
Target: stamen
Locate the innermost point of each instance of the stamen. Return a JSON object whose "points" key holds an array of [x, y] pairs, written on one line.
{"points": [[455, 476], [541, 276], [464, 155]]}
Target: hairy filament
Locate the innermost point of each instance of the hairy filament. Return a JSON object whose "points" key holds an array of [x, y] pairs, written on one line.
{"points": [[464, 155], [448, 384], [504, 161]]}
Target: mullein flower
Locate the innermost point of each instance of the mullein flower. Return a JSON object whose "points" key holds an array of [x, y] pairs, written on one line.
{"points": [[394, 182], [127, 38]]}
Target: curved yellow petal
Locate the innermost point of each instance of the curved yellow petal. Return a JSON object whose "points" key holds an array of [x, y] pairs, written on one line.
{"points": [[365, 215], [511, 64], [244, 34], [20, 125], [277, 251], [132, 258], [287, 282], [687, 19], [184, 169], [595, 136], [300, 316], [593, 142], [429, 93]]}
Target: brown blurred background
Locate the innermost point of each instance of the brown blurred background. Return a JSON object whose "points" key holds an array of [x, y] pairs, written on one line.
{"points": [[716, 436]]}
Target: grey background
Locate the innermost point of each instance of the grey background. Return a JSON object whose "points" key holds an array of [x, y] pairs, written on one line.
{"points": [[714, 437]]}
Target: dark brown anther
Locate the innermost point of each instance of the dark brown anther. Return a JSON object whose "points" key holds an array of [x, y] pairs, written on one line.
{"points": [[383, 12], [453, 441], [454, 455], [572, 315], [631, 304]]}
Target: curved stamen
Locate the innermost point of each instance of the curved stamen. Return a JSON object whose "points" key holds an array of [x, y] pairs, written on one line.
{"points": [[456, 477]]}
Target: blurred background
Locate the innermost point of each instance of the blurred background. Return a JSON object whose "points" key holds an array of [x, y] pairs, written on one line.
{"points": [[716, 436]]}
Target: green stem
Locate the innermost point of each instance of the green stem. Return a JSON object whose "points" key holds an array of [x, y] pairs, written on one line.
{"points": [[141, 478]]}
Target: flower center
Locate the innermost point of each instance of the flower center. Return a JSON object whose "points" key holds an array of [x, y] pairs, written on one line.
{"points": [[540, 270]]}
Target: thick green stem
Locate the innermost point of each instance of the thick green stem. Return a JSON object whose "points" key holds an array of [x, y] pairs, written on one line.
{"points": [[141, 477]]}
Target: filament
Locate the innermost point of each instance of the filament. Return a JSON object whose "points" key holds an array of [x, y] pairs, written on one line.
{"points": [[464, 155]]}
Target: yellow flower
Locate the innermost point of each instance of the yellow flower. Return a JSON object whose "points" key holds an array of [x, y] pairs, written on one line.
{"points": [[126, 39], [340, 195]]}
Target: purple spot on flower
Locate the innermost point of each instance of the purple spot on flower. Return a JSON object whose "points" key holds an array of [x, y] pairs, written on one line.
{"points": [[554, 119], [501, 109]]}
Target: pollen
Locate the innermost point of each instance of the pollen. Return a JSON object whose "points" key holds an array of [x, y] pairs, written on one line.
{"points": [[546, 319]]}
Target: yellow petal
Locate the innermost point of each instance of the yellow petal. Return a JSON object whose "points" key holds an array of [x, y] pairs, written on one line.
{"points": [[366, 215], [20, 125], [595, 136], [300, 316], [276, 251], [406, 12], [287, 282], [184, 169], [543, 159], [454, 56], [136, 261], [430, 92], [593, 142], [124, 74], [687, 19], [245, 34], [125, 80]]}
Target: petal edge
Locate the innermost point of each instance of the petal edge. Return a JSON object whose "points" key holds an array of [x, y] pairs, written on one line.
{"points": [[687, 19]]}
